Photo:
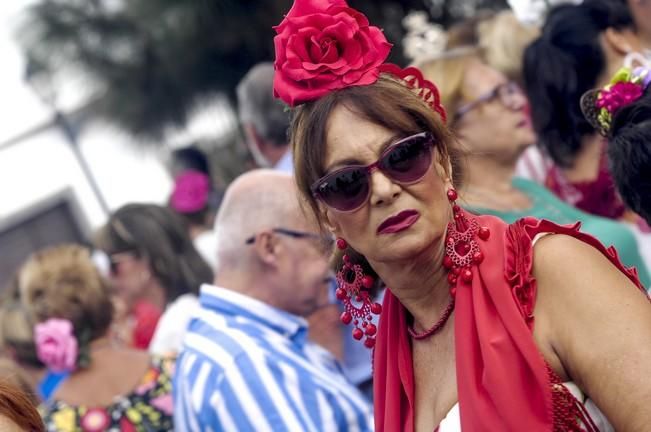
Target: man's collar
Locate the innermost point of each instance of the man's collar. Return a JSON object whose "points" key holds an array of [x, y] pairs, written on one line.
{"points": [[229, 302]]}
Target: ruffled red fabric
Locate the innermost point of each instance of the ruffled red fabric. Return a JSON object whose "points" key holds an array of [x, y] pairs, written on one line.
{"points": [[502, 379]]}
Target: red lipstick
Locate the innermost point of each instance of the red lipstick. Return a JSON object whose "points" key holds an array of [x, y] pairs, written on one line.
{"points": [[399, 222]]}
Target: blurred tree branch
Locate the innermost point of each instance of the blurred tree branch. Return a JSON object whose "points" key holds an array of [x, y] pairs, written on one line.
{"points": [[151, 61]]}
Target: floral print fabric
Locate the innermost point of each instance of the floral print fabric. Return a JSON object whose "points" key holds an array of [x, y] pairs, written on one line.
{"points": [[148, 408]]}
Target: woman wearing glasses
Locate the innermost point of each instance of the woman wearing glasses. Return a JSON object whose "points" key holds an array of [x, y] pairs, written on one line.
{"points": [[153, 262], [477, 332], [489, 115]]}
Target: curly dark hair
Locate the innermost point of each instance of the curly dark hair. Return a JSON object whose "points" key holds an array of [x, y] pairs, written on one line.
{"points": [[158, 234]]}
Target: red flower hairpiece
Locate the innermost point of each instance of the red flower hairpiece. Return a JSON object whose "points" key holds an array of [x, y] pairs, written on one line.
{"points": [[414, 79], [324, 45], [600, 105]]}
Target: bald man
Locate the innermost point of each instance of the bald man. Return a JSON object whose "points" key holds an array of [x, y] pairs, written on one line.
{"points": [[247, 364]]}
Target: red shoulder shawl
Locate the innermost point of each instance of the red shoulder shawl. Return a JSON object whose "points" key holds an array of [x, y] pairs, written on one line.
{"points": [[501, 376]]}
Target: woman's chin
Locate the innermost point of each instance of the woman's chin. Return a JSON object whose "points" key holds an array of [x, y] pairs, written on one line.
{"points": [[401, 247]]}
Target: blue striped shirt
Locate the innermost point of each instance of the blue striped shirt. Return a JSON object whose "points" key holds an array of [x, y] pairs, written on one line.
{"points": [[246, 366]]}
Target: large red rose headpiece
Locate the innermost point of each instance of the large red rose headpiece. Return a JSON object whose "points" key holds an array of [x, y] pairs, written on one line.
{"points": [[324, 45]]}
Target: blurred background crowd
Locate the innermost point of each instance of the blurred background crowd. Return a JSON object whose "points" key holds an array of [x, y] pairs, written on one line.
{"points": [[125, 123]]}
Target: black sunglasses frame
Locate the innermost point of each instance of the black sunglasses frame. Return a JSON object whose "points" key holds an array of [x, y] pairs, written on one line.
{"points": [[287, 232], [116, 258]]}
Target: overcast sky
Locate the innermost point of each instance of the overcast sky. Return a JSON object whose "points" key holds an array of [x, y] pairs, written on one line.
{"points": [[20, 109]]}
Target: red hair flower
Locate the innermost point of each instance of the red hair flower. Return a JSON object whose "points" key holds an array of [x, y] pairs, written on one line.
{"points": [[324, 45]]}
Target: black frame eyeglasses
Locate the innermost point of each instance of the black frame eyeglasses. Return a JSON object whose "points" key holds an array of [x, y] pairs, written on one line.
{"points": [[505, 92], [323, 240]]}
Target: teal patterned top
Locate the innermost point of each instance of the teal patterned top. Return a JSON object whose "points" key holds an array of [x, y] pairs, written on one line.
{"points": [[545, 205]]}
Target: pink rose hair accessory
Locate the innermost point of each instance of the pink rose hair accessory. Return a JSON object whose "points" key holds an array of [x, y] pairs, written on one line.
{"points": [[56, 345], [600, 105], [191, 192]]}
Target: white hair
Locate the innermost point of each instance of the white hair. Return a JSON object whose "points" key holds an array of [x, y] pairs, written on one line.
{"points": [[256, 201], [258, 107]]}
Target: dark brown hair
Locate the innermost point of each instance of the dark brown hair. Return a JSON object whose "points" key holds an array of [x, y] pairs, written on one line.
{"points": [[159, 235], [387, 103], [629, 151], [17, 406], [561, 65]]}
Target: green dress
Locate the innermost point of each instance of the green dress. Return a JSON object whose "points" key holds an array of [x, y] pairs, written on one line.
{"points": [[546, 205]]}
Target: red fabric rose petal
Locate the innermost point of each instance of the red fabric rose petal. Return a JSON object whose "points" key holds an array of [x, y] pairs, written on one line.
{"points": [[323, 46]]}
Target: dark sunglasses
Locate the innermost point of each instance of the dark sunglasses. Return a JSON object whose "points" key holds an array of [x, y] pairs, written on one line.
{"points": [[116, 258], [324, 243], [406, 161]]}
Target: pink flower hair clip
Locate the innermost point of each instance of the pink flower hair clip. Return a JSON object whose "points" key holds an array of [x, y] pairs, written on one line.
{"points": [[56, 345], [191, 192], [600, 105]]}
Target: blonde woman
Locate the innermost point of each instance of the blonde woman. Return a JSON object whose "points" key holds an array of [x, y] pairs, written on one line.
{"points": [[97, 386]]}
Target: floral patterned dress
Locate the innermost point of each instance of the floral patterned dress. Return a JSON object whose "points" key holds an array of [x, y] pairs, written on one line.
{"points": [[146, 409]]}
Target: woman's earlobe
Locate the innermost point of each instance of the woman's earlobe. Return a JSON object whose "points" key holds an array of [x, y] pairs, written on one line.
{"points": [[329, 223], [449, 184], [619, 40]]}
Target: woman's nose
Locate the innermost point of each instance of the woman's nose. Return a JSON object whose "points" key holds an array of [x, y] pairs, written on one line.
{"points": [[519, 100], [383, 189]]}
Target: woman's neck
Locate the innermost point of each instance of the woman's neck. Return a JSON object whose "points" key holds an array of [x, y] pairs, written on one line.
{"points": [[101, 343], [488, 183], [587, 161], [197, 230], [420, 284], [482, 171], [155, 295]]}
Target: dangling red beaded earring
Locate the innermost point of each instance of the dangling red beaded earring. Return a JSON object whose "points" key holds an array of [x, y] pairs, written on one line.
{"points": [[461, 248], [353, 285]]}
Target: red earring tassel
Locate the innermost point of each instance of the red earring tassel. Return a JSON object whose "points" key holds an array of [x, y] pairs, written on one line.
{"points": [[354, 292]]}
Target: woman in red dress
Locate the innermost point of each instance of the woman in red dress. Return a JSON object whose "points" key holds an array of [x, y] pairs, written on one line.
{"points": [[485, 326]]}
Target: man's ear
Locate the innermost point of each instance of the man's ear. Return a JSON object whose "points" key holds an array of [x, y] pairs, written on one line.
{"points": [[266, 248]]}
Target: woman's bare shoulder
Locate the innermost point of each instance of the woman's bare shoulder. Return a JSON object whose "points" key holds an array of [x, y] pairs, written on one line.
{"points": [[598, 323]]}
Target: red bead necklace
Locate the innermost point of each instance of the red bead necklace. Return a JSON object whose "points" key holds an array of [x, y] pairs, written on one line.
{"points": [[437, 326], [461, 253]]}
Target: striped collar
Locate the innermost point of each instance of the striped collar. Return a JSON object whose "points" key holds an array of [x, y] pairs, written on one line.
{"points": [[231, 303]]}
